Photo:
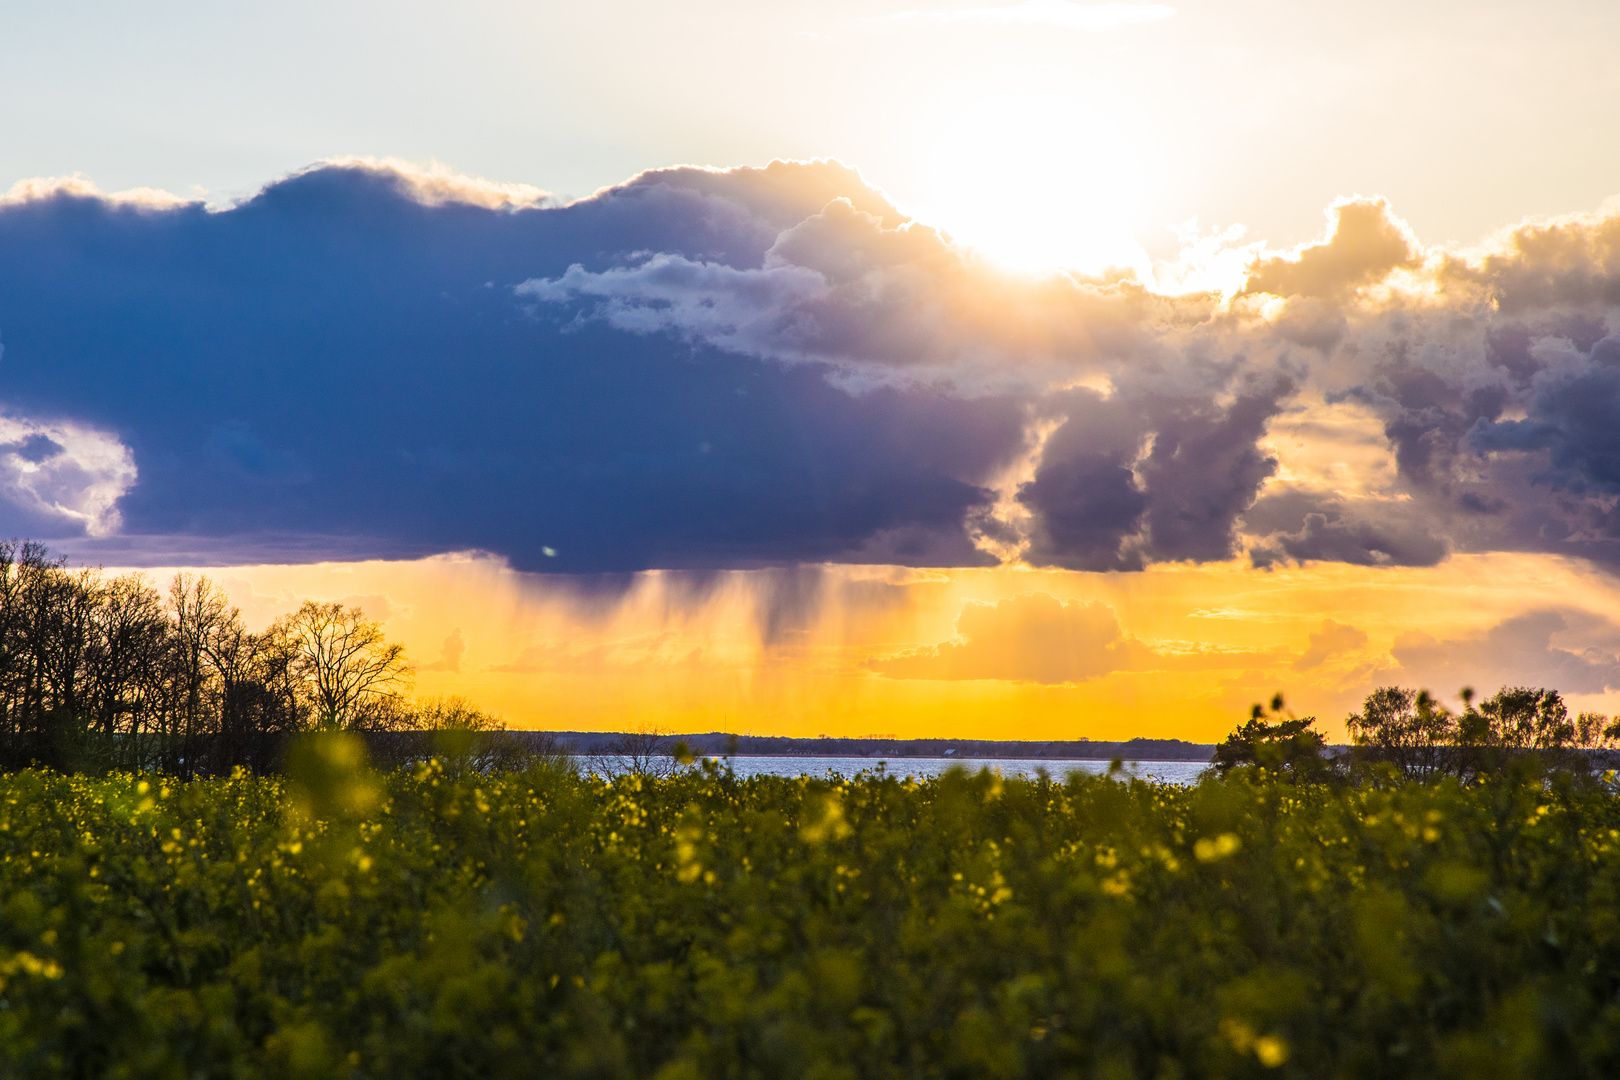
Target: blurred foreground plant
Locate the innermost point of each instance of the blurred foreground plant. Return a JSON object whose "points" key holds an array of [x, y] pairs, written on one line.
{"points": [[345, 922]]}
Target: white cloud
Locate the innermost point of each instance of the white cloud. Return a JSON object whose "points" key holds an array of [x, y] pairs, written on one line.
{"points": [[891, 304], [67, 476], [78, 186], [746, 311], [436, 184], [432, 184]]}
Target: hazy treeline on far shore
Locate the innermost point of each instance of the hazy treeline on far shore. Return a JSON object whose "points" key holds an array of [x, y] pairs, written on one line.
{"points": [[877, 747]]}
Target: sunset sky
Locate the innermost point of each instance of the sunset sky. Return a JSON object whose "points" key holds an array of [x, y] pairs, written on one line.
{"points": [[1003, 370]]}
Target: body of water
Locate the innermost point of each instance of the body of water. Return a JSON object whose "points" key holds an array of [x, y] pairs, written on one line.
{"points": [[1169, 772]]}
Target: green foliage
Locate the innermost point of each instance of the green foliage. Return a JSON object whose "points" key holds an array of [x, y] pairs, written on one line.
{"points": [[1286, 746], [1423, 739], [342, 922]]}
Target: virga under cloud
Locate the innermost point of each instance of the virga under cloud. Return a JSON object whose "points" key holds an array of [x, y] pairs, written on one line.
{"points": [[750, 367]]}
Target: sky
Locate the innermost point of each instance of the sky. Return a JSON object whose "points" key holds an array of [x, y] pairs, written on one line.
{"points": [[1018, 370]]}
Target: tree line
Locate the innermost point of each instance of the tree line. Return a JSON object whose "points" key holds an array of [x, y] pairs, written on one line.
{"points": [[1412, 734], [101, 673]]}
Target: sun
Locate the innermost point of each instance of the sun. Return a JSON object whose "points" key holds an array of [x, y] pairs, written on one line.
{"points": [[1038, 182]]}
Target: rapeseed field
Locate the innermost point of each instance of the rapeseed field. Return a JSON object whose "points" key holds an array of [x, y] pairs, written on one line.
{"points": [[444, 923]]}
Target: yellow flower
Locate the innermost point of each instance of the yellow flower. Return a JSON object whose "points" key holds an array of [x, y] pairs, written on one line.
{"points": [[1220, 847], [1271, 1050]]}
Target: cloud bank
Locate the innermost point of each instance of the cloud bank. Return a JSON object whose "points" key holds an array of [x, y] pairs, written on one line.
{"points": [[714, 369], [1572, 650]]}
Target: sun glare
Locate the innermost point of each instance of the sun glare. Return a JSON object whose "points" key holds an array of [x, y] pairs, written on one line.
{"points": [[1037, 182]]}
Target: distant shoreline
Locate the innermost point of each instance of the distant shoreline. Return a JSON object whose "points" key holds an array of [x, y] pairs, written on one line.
{"points": [[722, 744]]}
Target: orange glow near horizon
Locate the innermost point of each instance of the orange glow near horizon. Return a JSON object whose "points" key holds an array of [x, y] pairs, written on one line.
{"points": [[798, 652]]}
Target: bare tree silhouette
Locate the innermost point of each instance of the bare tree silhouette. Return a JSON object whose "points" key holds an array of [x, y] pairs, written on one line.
{"points": [[354, 677]]}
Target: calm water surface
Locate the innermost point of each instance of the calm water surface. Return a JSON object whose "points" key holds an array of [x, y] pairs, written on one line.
{"points": [[1169, 772]]}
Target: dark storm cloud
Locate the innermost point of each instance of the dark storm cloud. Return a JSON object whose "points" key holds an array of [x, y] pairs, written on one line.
{"points": [[1305, 526], [1495, 375], [1204, 469], [1573, 413], [709, 369], [339, 366], [1141, 477], [1086, 501], [696, 369]]}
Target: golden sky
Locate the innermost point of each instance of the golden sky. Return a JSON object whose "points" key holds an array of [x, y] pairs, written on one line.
{"points": [[1057, 506], [1174, 651], [1029, 368]]}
